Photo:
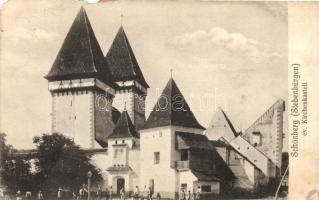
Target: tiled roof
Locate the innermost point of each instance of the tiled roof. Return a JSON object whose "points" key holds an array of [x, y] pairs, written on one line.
{"points": [[116, 114], [186, 140], [209, 163], [80, 55], [124, 127], [219, 143], [172, 109], [122, 61], [204, 177]]}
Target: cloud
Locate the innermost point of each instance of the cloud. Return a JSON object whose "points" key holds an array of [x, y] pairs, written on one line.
{"points": [[234, 43], [45, 35], [30, 34]]}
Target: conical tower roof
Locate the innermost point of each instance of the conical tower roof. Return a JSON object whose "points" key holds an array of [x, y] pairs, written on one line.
{"points": [[80, 55], [124, 127], [172, 109], [220, 127], [122, 61]]}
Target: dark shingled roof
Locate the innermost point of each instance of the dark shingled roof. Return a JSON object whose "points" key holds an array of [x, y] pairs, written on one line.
{"points": [[124, 127], [186, 140], [122, 61], [172, 109], [210, 164], [116, 114], [204, 177], [219, 143], [80, 55]]}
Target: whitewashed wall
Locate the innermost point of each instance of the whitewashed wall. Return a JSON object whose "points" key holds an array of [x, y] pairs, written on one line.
{"points": [[73, 116]]}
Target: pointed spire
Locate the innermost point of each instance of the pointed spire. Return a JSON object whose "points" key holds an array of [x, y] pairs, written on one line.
{"points": [[80, 55], [122, 61], [220, 127], [124, 127], [172, 109]]}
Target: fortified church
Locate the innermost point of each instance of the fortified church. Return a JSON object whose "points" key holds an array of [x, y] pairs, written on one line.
{"points": [[169, 150]]}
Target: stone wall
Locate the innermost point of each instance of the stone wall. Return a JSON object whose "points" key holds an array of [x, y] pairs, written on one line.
{"points": [[270, 128]]}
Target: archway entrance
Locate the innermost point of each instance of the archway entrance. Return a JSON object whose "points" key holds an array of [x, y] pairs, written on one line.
{"points": [[120, 183]]}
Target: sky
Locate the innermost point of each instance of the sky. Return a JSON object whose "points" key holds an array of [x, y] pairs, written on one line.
{"points": [[227, 54]]}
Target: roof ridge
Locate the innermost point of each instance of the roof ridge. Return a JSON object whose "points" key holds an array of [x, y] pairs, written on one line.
{"points": [[263, 114], [128, 49], [172, 115], [127, 122], [229, 122], [122, 60], [124, 127], [89, 38]]}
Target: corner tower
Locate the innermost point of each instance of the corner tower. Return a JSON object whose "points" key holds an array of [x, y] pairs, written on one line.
{"points": [[82, 87], [132, 87]]}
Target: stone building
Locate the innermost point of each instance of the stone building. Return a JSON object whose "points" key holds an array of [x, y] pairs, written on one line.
{"points": [[99, 101]]}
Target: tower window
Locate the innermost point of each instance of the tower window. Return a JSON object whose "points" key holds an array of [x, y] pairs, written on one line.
{"points": [[115, 141], [123, 141], [156, 157]]}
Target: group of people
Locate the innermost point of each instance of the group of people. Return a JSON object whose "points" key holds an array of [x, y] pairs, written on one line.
{"points": [[28, 195], [83, 193], [189, 195]]}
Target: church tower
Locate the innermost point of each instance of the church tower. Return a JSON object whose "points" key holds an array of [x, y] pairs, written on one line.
{"points": [[128, 76], [82, 87]]}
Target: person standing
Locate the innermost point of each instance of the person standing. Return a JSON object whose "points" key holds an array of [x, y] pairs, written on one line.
{"points": [[40, 195], [82, 192], [110, 193], [74, 196], [183, 195], [198, 193], [158, 196], [60, 193], [136, 192], [193, 195], [99, 193], [18, 195], [189, 195], [149, 193], [122, 193], [28, 195]]}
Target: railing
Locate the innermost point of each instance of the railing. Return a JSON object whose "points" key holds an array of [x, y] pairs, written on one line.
{"points": [[182, 165]]}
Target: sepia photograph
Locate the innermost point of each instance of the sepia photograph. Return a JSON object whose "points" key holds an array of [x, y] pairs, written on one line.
{"points": [[174, 100]]}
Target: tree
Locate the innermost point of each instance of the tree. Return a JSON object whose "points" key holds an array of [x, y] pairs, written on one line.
{"points": [[15, 171], [61, 163]]}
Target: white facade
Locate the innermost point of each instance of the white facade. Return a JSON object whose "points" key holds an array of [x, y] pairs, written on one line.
{"points": [[75, 106]]}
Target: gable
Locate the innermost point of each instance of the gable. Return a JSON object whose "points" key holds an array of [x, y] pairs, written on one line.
{"points": [[220, 126]]}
